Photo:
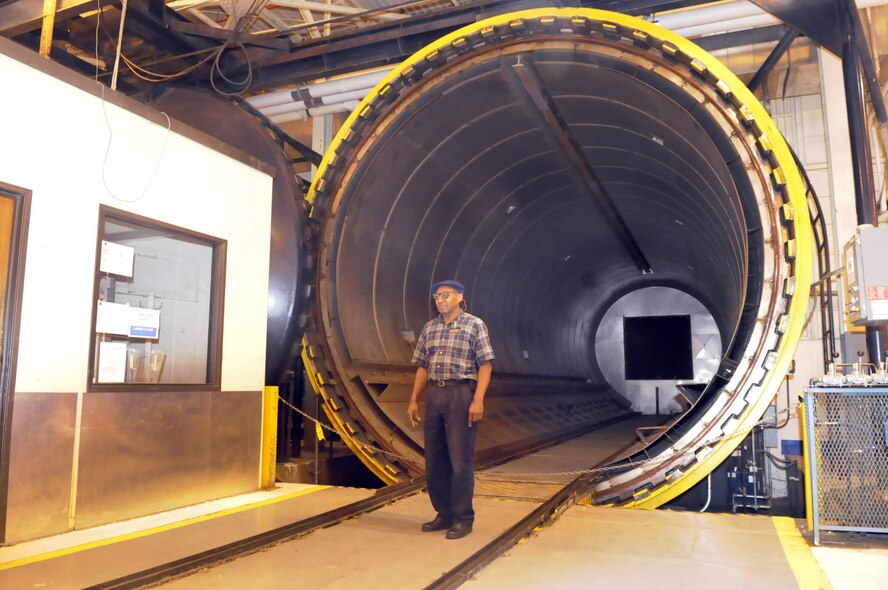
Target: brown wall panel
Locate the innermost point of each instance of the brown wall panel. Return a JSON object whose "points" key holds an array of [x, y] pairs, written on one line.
{"points": [[236, 440], [41, 461], [142, 453]]}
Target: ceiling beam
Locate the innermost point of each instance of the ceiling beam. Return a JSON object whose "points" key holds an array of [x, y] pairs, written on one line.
{"points": [[27, 15], [333, 8], [384, 43], [189, 28], [198, 15], [273, 20]]}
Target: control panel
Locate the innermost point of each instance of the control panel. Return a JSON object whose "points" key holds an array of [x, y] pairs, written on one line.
{"points": [[866, 276]]}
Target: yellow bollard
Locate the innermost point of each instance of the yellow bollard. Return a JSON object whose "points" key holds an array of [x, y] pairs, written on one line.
{"points": [[269, 437]]}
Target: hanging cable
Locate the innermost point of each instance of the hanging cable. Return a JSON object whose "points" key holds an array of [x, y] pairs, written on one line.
{"points": [[775, 425], [708, 492], [214, 55], [119, 45], [777, 462], [108, 151], [243, 84]]}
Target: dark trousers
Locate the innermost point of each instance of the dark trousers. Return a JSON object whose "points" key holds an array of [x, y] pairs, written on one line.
{"points": [[449, 446]]}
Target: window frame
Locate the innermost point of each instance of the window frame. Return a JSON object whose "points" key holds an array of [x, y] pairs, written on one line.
{"points": [[18, 250], [217, 304]]}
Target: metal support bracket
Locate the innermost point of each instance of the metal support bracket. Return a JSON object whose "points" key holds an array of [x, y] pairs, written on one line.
{"points": [[536, 95]]}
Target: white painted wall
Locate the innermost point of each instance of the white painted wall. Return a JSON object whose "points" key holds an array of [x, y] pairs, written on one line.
{"points": [[57, 143]]}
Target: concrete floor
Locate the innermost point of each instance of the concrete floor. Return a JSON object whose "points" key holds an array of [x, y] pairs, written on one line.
{"points": [[853, 562], [593, 548], [383, 549], [84, 558], [588, 547]]}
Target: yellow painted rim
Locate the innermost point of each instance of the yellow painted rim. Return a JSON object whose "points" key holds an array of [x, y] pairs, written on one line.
{"points": [[356, 447], [785, 170]]}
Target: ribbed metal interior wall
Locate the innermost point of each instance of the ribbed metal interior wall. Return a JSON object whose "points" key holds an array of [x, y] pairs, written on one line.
{"points": [[492, 200]]}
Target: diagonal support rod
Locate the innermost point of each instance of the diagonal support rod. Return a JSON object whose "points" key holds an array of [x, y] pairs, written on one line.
{"points": [[866, 63], [536, 95], [773, 58]]}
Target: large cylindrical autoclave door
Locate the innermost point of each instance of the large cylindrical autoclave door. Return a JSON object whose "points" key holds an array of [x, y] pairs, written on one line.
{"points": [[600, 185]]}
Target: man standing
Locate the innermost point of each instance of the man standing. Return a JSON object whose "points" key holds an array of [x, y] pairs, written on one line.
{"points": [[454, 357]]}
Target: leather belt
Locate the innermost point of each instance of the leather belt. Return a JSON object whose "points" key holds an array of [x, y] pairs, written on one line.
{"points": [[448, 382]]}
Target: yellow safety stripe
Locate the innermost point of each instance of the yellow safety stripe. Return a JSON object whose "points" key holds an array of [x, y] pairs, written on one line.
{"points": [[805, 567]]}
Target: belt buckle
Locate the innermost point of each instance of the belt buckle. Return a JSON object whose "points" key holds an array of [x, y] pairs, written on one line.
{"points": [[441, 383]]}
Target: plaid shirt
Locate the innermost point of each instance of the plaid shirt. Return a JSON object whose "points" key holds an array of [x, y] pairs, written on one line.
{"points": [[454, 350]]}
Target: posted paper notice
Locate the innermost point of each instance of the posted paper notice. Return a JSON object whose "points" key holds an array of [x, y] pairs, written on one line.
{"points": [[113, 318], [112, 362], [117, 259], [144, 323]]}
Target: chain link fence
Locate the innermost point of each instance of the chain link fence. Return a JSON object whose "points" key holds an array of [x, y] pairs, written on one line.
{"points": [[846, 430]]}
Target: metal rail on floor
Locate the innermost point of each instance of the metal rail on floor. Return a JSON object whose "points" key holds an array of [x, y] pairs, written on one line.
{"points": [[559, 501], [543, 514], [243, 547]]}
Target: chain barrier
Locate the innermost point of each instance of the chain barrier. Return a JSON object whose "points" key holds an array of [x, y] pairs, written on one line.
{"points": [[318, 424], [770, 420], [491, 475]]}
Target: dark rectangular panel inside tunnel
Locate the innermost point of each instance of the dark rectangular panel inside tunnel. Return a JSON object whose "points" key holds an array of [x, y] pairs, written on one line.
{"points": [[658, 347]]}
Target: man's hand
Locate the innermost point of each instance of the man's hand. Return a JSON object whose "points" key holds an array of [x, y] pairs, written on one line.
{"points": [[476, 411], [413, 412], [420, 382]]}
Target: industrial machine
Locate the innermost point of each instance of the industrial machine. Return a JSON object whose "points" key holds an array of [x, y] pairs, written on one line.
{"points": [[555, 161], [558, 162], [846, 435], [846, 411]]}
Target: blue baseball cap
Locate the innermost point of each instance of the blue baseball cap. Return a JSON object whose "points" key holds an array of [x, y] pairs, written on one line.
{"points": [[457, 286]]}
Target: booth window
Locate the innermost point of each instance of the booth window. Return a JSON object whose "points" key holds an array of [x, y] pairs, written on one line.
{"points": [[157, 318]]}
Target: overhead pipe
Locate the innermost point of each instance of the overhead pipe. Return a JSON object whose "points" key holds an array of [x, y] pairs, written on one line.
{"points": [[739, 24], [318, 90], [727, 17], [719, 13], [301, 105], [330, 109]]}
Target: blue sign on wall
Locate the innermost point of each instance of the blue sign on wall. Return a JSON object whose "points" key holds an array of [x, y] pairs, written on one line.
{"points": [[790, 447], [143, 332]]}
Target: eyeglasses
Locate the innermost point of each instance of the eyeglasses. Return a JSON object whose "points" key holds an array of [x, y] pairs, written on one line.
{"points": [[445, 295]]}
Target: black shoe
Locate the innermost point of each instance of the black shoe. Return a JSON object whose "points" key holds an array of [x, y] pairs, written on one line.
{"points": [[459, 530], [439, 524]]}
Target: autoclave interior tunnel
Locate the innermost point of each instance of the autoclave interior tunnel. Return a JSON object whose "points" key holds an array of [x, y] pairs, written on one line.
{"points": [[574, 169]]}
